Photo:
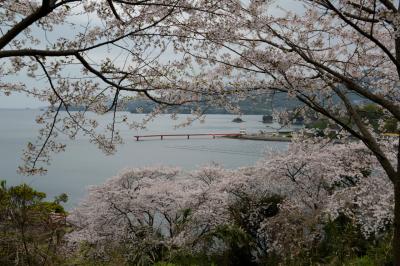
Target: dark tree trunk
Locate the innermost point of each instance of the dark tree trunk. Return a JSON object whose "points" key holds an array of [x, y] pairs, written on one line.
{"points": [[396, 236]]}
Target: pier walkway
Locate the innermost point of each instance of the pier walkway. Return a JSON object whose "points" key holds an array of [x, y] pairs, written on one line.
{"points": [[188, 135]]}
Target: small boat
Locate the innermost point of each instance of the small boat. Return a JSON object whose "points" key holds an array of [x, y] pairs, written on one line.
{"points": [[267, 119], [237, 120]]}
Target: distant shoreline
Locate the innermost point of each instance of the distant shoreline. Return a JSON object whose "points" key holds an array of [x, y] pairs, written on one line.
{"points": [[262, 138]]}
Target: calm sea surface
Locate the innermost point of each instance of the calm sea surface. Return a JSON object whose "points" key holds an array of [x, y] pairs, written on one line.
{"points": [[82, 164]]}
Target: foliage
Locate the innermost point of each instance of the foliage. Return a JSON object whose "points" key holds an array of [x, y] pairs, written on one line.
{"points": [[31, 229], [376, 116], [314, 204], [379, 252], [280, 208], [321, 54], [342, 240], [344, 244]]}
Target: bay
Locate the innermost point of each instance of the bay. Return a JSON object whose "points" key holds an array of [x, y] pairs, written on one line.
{"points": [[83, 164]]}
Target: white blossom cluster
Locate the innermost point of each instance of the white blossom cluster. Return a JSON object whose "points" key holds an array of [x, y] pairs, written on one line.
{"points": [[178, 209]]}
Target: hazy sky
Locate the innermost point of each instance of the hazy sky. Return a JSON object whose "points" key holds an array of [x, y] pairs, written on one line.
{"points": [[17, 100]]}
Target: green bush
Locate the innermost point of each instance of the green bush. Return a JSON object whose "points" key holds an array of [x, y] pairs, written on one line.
{"points": [[31, 229], [237, 243], [344, 244]]}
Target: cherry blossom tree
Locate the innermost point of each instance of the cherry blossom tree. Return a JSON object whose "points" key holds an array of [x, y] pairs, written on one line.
{"points": [[332, 56], [313, 183], [95, 55], [147, 209], [327, 54], [322, 181]]}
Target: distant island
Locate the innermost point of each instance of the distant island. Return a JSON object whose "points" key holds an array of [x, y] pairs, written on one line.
{"points": [[256, 105], [261, 104]]}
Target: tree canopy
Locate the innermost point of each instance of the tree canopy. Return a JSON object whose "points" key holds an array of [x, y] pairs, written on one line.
{"points": [[96, 53]]}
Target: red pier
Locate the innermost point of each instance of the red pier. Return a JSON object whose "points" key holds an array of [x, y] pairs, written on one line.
{"points": [[161, 136]]}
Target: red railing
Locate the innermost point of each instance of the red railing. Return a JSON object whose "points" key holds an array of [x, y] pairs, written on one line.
{"points": [[161, 136]]}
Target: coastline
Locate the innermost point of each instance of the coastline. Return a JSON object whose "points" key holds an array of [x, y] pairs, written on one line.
{"points": [[263, 137]]}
